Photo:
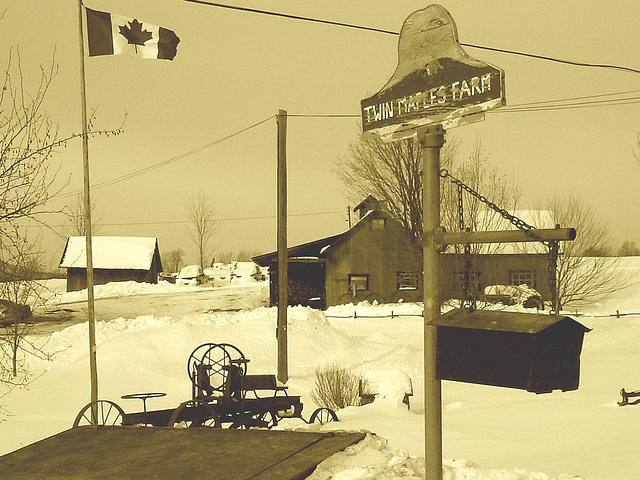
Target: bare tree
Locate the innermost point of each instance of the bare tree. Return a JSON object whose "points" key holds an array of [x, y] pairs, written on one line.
{"points": [[392, 173], [173, 259], [28, 141], [240, 256], [20, 292], [581, 276], [629, 249], [203, 225], [76, 212], [476, 172], [28, 138]]}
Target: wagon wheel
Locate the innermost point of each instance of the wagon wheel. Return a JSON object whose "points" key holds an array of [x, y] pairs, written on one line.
{"points": [[218, 356], [194, 414], [236, 356], [323, 415], [107, 413], [260, 420]]}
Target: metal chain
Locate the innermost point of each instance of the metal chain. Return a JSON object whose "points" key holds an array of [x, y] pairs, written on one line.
{"points": [[553, 246], [468, 300], [521, 224]]}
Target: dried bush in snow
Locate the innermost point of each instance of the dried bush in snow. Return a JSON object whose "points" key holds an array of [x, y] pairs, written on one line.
{"points": [[337, 387]]}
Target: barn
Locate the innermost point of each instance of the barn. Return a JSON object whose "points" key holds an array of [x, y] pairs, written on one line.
{"points": [[115, 259], [378, 260]]}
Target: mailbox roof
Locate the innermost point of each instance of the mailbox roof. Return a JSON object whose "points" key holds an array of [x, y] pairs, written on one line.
{"points": [[501, 321]]}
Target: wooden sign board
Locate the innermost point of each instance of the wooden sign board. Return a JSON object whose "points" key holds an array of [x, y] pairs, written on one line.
{"points": [[435, 81]]}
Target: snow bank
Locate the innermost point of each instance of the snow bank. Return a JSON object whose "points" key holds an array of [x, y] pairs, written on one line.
{"points": [[374, 459]]}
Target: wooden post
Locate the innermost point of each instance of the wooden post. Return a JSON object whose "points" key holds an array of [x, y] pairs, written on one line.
{"points": [[93, 365], [283, 263], [431, 139]]}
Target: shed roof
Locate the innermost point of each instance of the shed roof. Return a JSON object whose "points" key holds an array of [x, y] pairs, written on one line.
{"points": [[501, 321], [135, 253]]}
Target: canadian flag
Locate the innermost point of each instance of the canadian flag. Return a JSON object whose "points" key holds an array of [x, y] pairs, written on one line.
{"points": [[110, 34]]}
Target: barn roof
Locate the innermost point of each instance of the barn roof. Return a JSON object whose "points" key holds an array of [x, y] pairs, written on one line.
{"points": [[306, 250], [370, 215], [319, 248], [135, 253]]}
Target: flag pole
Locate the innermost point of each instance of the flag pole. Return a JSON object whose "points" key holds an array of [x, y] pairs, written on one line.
{"points": [[87, 230]]}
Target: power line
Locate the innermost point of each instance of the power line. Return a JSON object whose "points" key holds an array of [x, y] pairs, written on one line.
{"points": [[390, 32], [554, 59], [543, 105], [165, 162], [293, 17], [578, 98], [184, 222], [323, 115], [570, 106]]}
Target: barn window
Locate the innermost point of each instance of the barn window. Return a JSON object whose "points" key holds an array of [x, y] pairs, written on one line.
{"points": [[358, 281], [523, 277], [474, 280], [378, 223], [407, 280]]}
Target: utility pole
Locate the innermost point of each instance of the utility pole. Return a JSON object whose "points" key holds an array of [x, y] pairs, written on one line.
{"points": [[283, 262], [431, 139]]}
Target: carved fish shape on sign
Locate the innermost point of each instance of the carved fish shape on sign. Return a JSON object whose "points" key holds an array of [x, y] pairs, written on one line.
{"points": [[435, 81]]}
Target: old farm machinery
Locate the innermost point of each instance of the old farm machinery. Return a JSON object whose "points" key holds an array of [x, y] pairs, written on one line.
{"points": [[222, 394]]}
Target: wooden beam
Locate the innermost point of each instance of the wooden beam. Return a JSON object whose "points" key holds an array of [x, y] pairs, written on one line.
{"points": [[506, 236]]}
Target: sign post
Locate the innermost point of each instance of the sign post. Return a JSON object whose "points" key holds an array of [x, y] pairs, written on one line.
{"points": [[431, 139], [436, 85]]}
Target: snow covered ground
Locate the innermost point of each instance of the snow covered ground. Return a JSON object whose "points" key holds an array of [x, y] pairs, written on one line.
{"points": [[489, 432]]}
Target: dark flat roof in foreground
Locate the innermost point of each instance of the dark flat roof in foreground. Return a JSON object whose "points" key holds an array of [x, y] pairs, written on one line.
{"points": [[152, 452]]}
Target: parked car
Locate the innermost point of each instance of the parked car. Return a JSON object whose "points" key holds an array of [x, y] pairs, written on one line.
{"points": [[167, 277], [514, 295], [191, 275]]}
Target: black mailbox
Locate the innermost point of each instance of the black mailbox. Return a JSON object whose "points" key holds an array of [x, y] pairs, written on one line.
{"points": [[537, 353]]}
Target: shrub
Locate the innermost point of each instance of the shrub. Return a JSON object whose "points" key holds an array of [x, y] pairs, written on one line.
{"points": [[337, 387]]}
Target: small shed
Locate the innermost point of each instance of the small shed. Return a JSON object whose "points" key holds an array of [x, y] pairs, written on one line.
{"points": [[115, 259], [533, 352]]}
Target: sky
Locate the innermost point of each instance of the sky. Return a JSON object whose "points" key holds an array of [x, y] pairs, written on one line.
{"points": [[235, 69]]}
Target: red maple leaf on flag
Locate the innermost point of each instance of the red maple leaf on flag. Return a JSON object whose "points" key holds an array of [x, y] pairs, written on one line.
{"points": [[134, 33]]}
